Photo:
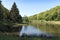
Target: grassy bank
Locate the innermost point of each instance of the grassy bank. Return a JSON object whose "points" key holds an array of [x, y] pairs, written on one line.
{"points": [[10, 28], [13, 37], [47, 26], [43, 21]]}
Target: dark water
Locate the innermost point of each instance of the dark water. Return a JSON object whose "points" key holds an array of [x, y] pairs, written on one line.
{"points": [[33, 31]]}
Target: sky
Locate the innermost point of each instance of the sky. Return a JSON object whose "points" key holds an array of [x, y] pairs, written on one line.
{"points": [[31, 7]]}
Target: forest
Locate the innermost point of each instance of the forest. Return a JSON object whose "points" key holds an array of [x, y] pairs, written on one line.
{"points": [[50, 15], [10, 15], [9, 18]]}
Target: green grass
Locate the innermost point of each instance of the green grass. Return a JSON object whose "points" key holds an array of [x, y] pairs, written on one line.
{"points": [[13, 37], [8, 37]]}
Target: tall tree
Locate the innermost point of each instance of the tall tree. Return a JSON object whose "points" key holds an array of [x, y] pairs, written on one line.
{"points": [[14, 14], [1, 11]]}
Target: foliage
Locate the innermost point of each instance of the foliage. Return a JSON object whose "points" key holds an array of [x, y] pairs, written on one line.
{"points": [[49, 15], [25, 19], [12, 16], [9, 18]]}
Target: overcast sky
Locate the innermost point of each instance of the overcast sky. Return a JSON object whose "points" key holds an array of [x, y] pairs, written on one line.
{"points": [[31, 7]]}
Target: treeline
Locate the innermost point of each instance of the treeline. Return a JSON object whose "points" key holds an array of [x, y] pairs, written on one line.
{"points": [[10, 15], [49, 15]]}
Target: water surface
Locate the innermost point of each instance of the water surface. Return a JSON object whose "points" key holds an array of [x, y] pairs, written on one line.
{"points": [[33, 31]]}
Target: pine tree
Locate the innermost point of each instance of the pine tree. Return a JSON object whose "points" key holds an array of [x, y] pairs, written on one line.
{"points": [[1, 11], [14, 14]]}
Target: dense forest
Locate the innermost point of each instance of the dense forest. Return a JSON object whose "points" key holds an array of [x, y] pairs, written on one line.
{"points": [[9, 18], [10, 15], [49, 15]]}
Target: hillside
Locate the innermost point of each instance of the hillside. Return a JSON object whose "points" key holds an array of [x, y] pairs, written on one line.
{"points": [[5, 9], [3, 12], [49, 15]]}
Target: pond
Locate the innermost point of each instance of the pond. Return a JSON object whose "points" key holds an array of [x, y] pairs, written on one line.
{"points": [[33, 31]]}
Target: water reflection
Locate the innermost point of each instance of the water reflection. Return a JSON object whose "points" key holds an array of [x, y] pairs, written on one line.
{"points": [[33, 31]]}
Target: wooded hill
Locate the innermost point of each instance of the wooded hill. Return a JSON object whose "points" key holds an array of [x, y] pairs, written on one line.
{"points": [[49, 15], [10, 15]]}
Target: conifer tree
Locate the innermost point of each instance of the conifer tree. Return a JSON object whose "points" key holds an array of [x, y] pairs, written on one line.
{"points": [[1, 11], [14, 14]]}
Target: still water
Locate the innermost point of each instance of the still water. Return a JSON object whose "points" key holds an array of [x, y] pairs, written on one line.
{"points": [[33, 31]]}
